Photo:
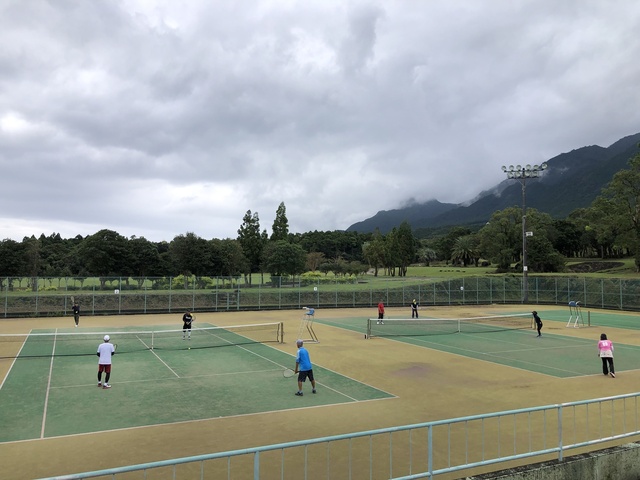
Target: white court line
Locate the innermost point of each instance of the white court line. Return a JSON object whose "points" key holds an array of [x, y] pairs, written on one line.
{"points": [[182, 422], [420, 342], [282, 367], [318, 382], [445, 348], [156, 355], [15, 359], [46, 397]]}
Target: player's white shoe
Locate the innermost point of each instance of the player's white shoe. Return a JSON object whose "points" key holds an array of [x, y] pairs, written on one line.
{"points": [[106, 385]]}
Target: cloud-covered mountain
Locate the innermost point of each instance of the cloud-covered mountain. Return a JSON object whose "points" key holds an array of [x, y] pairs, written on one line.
{"points": [[572, 180]]}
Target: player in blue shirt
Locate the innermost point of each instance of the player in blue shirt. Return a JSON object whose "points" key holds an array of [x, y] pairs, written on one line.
{"points": [[304, 368]]}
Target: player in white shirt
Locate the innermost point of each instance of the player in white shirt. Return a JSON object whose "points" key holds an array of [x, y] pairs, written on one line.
{"points": [[105, 352]]}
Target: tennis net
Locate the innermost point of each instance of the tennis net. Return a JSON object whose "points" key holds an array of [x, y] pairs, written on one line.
{"points": [[439, 326], [48, 344]]}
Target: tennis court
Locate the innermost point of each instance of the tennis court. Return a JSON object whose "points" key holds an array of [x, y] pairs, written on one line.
{"points": [[159, 377], [231, 398], [506, 339]]}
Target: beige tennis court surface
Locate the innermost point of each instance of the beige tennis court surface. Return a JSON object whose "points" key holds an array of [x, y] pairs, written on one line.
{"points": [[363, 384]]}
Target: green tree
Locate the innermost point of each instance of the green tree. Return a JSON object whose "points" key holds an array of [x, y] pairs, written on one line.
{"points": [[426, 254], [444, 245], [105, 253], [406, 245], [57, 255], [234, 261], [12, 261], [145, 259], [314, 260], [542, 257], [500, 240], [32, 260], [465, 250], [374, 252], [335, 244], [565, 237], [391, 252], [588, 244], [605, 225], [252, 241], [190, 255], [282, 258], [619, 206], [280, 229]]}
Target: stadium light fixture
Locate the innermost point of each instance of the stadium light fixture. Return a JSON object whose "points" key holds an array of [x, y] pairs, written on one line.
{"points": [[521, 174]]}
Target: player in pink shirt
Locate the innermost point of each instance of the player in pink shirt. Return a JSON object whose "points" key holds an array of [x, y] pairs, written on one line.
{"points": [[605, 352]]}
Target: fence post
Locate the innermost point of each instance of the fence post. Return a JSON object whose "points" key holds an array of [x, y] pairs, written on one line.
{"points": [[6, 297], [560, 450], [256, 466], [430, 451]]}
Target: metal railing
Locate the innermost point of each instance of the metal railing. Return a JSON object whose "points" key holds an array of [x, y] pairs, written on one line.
{"points": [[20, 297], [424, 450]]}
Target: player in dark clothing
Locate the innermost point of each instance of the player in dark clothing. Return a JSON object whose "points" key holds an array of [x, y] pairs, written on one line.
{"points": [[187, 320], [414, 309], [538, 322], [76, 313]]}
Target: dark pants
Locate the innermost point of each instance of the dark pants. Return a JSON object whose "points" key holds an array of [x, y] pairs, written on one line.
{"points": [[607, 365]]}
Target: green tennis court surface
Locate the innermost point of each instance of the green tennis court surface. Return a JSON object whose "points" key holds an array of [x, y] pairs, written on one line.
{"points": [[556, 353], [46, 396]]}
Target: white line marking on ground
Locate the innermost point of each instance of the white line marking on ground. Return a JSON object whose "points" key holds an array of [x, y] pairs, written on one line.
{"points": [[46, 397], [156, 355]]}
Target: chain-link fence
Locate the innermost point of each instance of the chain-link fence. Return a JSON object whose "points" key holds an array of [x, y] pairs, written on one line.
{"points": [[34, 297]]}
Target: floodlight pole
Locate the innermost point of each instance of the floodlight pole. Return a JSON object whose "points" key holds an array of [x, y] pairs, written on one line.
{"points": [[521, 173], [525, 268]]}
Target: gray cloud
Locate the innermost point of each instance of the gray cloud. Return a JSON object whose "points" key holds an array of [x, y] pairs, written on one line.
{"points": [[154, 118]]}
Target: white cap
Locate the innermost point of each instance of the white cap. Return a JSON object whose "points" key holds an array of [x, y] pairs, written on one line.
{"points": [[106, 338]]}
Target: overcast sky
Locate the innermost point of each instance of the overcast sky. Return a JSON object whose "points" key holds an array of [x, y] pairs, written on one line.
{"points": [[158, 118]]}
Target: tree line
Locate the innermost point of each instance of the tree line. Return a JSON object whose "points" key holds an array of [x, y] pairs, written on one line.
{"points": [[608, 228]]}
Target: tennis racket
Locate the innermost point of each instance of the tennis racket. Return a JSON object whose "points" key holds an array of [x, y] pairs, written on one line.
{"points": [[115, 347], [288, 373]]}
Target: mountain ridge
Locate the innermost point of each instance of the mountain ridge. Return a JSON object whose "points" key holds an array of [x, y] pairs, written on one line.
{"points": [[572, 180]]}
